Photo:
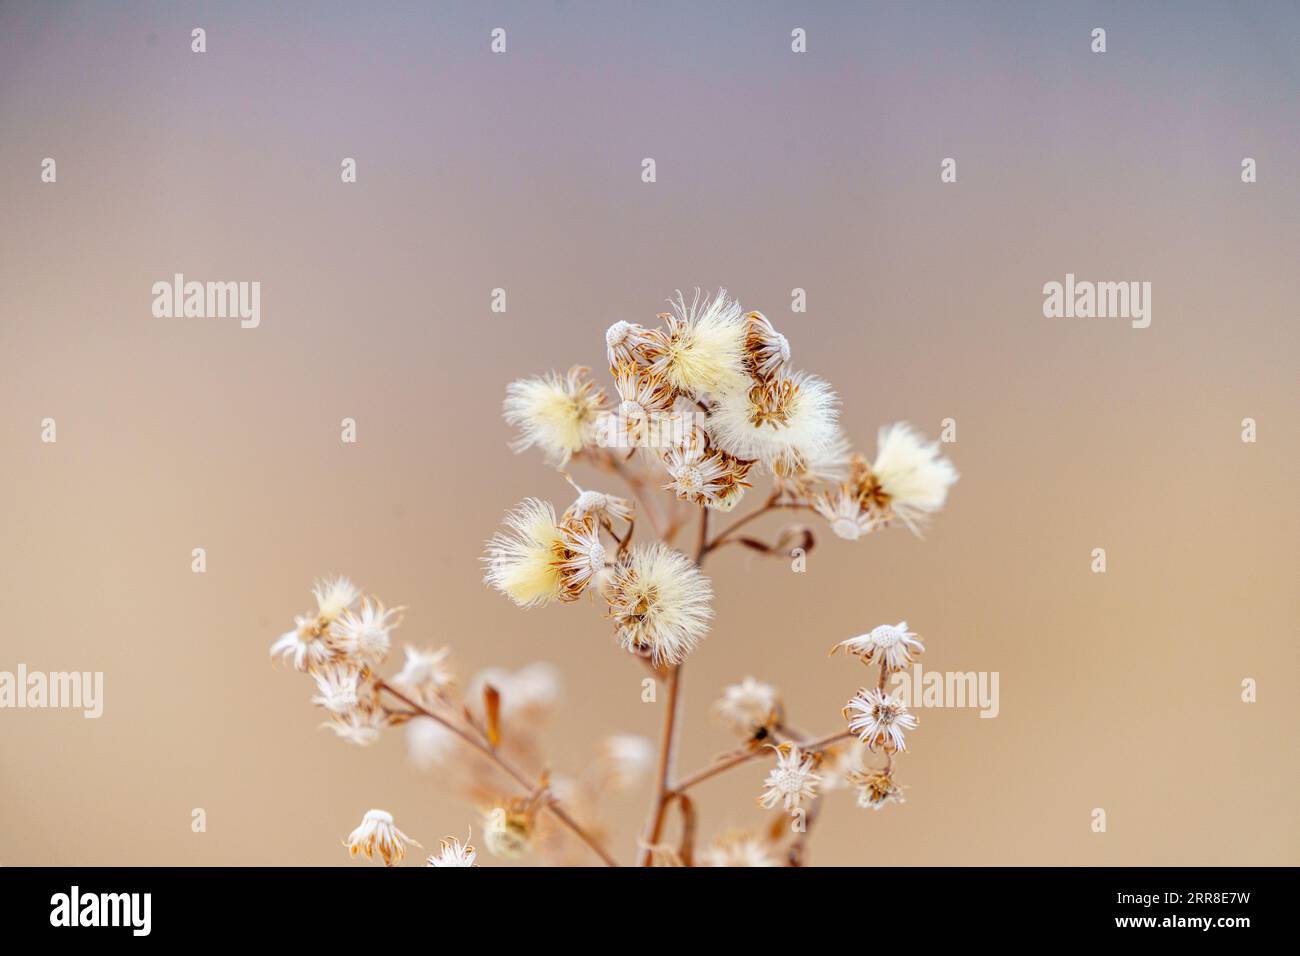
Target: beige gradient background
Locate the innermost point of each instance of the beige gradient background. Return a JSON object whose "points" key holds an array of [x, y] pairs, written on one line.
{"points": [[775, 171]]}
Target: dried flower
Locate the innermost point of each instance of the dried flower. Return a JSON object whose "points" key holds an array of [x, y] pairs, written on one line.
{"points": [[749, 708], [361, 725], [307, 646], [554, 413], [624, 341], [523, 562], [337, 686], [584, 556], [843, 509], [365, 636], [660, 602], [598, 505], [333, 597], [624, 760], [428, 743], [787, 423], [703, 350], [877, 788], [791, 781], [892, 643], [377, 834], [508, 832], [425, 674], [451, 852], [737, 848], [878, 719], [706, 476], [767, 351], [909, 478]]}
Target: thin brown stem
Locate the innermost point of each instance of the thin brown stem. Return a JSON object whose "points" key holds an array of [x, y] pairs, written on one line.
{"points": [[530, 786], [744, 756], [773, 503], [667, 759]]}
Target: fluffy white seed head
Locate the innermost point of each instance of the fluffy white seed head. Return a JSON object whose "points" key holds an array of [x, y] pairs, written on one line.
{"points": [[789, 424], [523, 560], [556, 413], [703, 350], [660, 602], [912, 473]]}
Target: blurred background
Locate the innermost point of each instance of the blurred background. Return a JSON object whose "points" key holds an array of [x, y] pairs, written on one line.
{"points": [[775, 171]]}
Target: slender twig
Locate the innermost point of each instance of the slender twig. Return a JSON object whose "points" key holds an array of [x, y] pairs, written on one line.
{"points": [[667, 758], [529, 786], [772, 504], [746, 755]]}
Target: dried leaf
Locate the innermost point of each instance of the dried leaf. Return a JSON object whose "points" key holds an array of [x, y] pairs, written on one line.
{"points": [[492, 708]]}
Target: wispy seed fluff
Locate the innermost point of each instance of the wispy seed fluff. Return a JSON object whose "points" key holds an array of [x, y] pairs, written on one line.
{"points": [[703, 350], [911, 473], [554, 413], [660, 602], [788, 423], [523, 561]]}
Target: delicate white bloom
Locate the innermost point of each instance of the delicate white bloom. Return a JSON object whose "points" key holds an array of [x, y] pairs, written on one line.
{"points": [[337, 686], [748, 707], [554, 413], [703, 350], [767, 351], [508, 833], [659, 601], [645, 399], [706, 476], [878, 719], [791, 781], [523, 561], [451, 852], [624, 759], [598, 505], [584, 556], [623, 342], [425, 673], [378, 835], [527, 695], [892, 643], [912, 475], [306, 646], [429, 743], [365, 636], [334, 596], [737, 849], [787, 423], [877, 788], [848, 519], [361, 725]]}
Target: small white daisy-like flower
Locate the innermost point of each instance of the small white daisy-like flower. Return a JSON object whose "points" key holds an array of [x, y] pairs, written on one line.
{"points": [[361, 725], [877, 788], [791, 781], [909, 477], [598, 505], [749, 707], [307, 646], [337, 686], [508, 833], [623, 342], [737, 848], [334, 596], [659, 601], [703, 350], [377, 835], [706, 476], [787, 423], [879, 720], [767, 351], [624, 759], [429, 743], [584, 556], [425, 673], [364, 636], [451, 852], [523, 561], [554, 413], [892, 643], [848, 519]]}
